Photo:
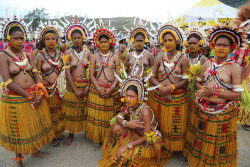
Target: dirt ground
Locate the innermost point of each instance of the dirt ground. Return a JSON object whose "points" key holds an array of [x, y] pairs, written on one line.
{"points": [[83, 153]]}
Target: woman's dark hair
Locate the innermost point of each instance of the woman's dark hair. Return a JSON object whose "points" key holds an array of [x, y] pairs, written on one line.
{"points": [[76, 31], [140, 34], [178, 46], [133, 88], [195, 36], [103, 36], [14, 29], [224, 36], [41, 45]]}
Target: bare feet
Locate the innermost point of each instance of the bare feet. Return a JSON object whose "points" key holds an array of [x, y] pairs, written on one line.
{"points": [[19, 164], [69, 140], [19, 159], [55, 142], [40, 154]]}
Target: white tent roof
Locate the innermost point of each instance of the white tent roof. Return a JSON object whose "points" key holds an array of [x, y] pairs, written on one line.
{"points": [[209, 10]]}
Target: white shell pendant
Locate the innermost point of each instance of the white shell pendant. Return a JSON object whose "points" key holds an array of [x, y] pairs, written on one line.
{"points": [[169, 65]]}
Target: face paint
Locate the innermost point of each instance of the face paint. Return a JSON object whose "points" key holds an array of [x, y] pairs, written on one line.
{"points": [[169, 43], [131, 102], [193, 45], [17, 40], [77, 40], [104, 46], [222, 47], [50, 41], [193, 48], [139, 45], [222, 52]]}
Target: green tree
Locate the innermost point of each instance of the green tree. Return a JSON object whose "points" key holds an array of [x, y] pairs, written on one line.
{"points": [[36, 15]]}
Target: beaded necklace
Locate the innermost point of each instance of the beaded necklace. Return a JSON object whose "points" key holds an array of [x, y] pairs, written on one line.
{"points": [[104, 58], [79, 56], [21, 61], [169, 61], [195, 60]]}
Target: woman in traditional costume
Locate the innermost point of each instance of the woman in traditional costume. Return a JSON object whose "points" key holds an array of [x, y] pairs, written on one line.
{"points": [[211, 138], [133, 139], [24, 114], [242, 56], [140, 58], [194, 40], [104, 99], [75, 99], [169, 102], [49, 65]]}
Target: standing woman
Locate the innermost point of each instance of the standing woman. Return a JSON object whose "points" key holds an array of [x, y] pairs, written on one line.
{"points": [[169, 102], [104, 99], [25, 123], [49, 65], [196, 59], [75, 99], [211, 138], [242, 56], [140, 57]]}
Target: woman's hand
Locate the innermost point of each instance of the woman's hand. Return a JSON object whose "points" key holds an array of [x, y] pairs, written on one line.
{"points": [[86, 91], [78, 93], [108, 92], [168, 97], [36, 101], [122, 150], [102, 92], [164, 90], [134, 124]]}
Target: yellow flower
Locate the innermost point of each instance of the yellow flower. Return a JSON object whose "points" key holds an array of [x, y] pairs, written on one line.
{"points": [[150, 137], [122, 100], [65, 58], [194, 71]]}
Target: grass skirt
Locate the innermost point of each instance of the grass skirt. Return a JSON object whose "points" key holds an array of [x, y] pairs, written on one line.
{"points": [[74, 108], [100, 111], [211, 140], [23, 129], [171, 116], [142, 155], [54, 103]]}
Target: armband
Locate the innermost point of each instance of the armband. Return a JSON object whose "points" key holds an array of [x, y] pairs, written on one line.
{"points": [[238, 88], [6, 83]]}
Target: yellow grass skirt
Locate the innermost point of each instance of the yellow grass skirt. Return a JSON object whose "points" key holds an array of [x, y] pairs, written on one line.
{"points": [[54, 103], [171, 116], [74, 108], [211, 140], [100, 111], [150, 155], [23, 129]]}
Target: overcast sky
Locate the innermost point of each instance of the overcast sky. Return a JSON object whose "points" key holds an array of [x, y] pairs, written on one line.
{"points": [[147, 9]]}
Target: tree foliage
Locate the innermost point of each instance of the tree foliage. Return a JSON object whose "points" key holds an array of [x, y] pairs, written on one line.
{"points": [[36, 15]]}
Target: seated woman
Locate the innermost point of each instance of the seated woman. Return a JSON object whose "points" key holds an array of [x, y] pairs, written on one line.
{"points": [[134, 139]]}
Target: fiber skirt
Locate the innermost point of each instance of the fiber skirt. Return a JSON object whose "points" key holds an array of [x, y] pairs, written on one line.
{"points": [[23, 129], [171, 116], [211, 140], [100, 111], [74, 108], [54, 103], [154, 154]]}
